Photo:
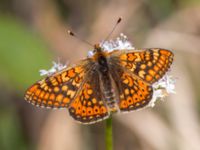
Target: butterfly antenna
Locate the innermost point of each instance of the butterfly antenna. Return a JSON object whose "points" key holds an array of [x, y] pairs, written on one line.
{"points": [[74, 35], [113, 29]]}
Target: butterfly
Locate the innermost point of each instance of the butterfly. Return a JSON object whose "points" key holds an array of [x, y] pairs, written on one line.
{"points": [[103, 84]]}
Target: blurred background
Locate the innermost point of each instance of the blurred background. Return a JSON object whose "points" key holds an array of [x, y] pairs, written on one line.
{"points": [[33, 34]]}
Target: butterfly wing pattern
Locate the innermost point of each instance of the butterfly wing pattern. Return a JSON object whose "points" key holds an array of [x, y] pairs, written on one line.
{"points": [[134, 93], [74, 88], [57, 90], [148, 64], [79, 88], [89, 105], [137, 71]]}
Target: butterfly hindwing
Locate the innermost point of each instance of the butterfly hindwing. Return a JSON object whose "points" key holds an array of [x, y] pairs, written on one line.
{"points": [[89, 105], [134, 93]]}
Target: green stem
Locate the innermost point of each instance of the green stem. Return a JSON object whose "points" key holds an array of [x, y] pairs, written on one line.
{"points": [[109, 143]]}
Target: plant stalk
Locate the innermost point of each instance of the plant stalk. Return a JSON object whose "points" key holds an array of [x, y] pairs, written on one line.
{"points": [[109, 138]]}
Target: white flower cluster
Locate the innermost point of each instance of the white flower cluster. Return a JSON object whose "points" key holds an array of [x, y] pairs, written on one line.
{"points": [[56, 67], [163, 88], [120, 42]]}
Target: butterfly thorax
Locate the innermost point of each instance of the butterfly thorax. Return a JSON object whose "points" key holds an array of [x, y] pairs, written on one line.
{"points": [[100, 58]]}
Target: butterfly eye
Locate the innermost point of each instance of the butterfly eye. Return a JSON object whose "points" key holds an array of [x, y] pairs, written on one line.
{"points": [[95, 50]]}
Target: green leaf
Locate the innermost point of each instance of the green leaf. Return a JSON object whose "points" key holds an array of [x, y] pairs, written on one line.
{"points": [[22, 54]]}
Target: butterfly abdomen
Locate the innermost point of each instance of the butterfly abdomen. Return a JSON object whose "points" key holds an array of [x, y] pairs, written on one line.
{"points": [[111, 100], [107, 83]]}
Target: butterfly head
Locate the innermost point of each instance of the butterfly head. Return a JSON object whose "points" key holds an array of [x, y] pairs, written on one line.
{"points": [[96, 51], [97, 48]]}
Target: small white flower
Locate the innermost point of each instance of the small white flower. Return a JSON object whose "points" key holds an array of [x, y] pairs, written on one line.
{"points": [[157, 94], [56, 67], [44, 72], [163, 88], [90, 53]]}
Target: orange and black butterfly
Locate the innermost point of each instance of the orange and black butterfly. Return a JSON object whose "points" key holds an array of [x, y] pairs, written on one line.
{"points": [[106, 82]]}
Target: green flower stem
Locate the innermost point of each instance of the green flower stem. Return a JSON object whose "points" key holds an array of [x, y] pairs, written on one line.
{"points": [[109, 142]]}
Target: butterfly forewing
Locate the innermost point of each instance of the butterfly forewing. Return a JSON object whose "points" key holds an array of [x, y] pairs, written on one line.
{"points": [[57, 90], [148, 64]]}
